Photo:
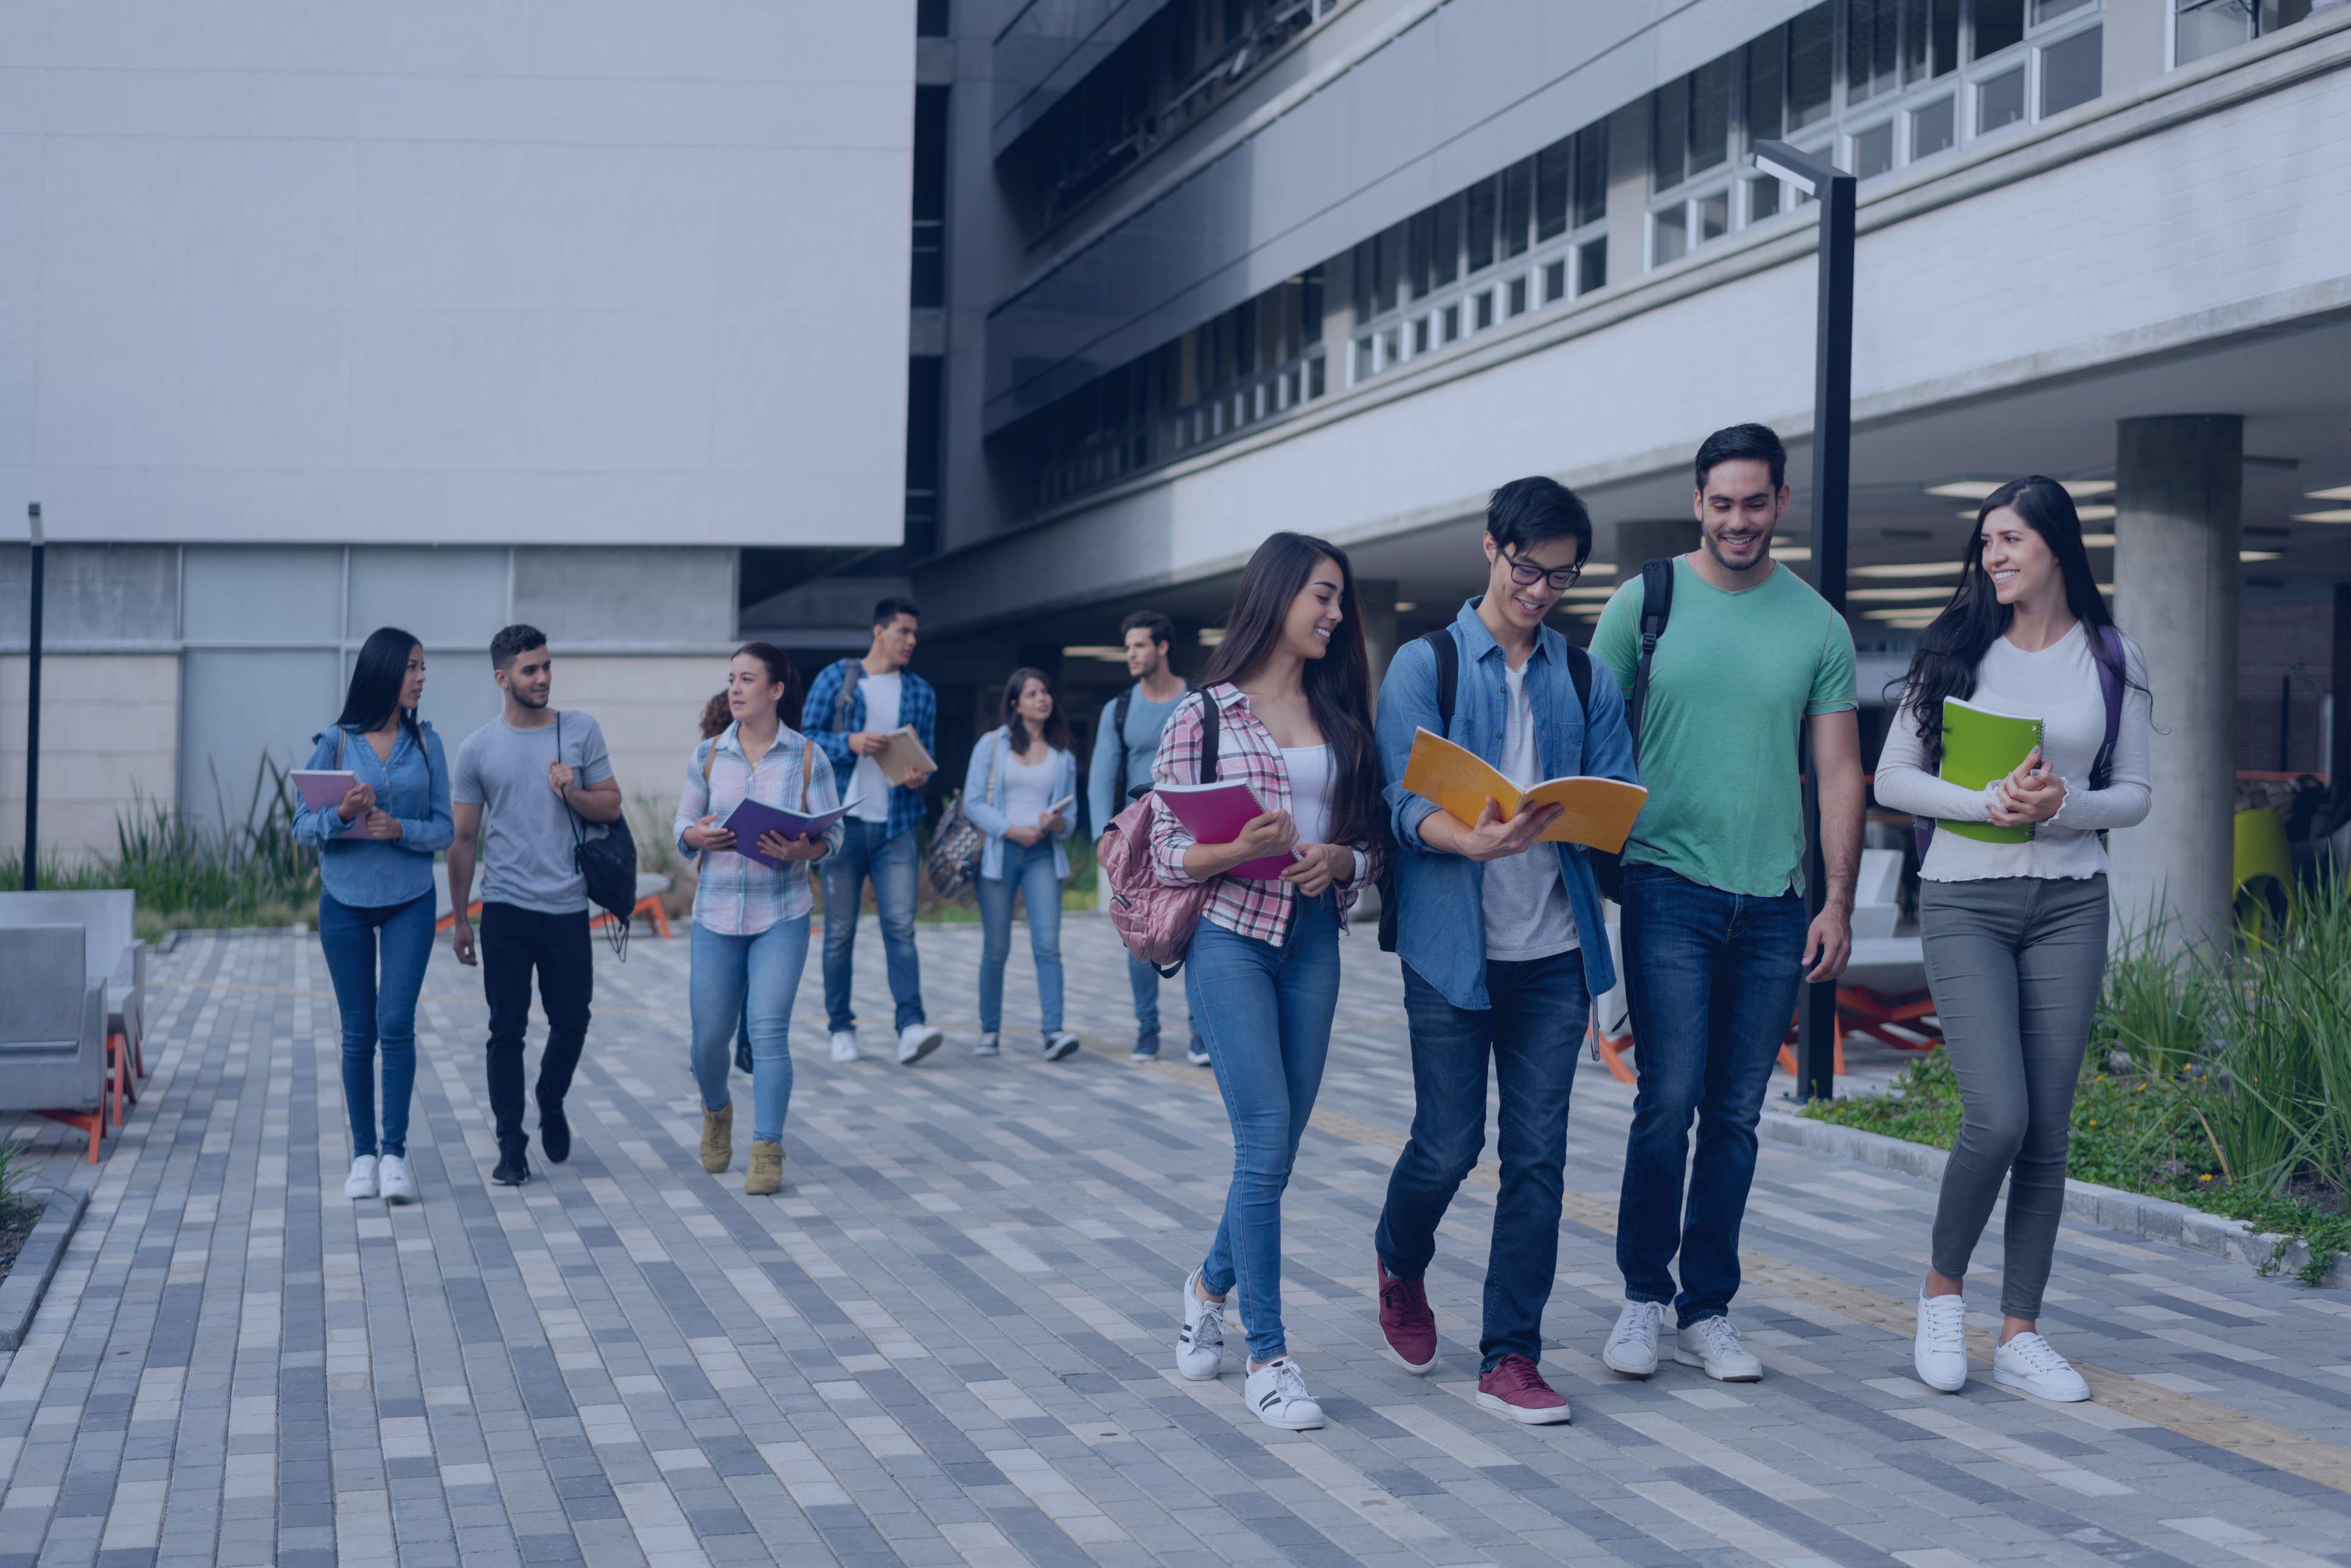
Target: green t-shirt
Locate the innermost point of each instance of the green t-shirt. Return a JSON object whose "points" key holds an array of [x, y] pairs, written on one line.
{"points": [[1732, 678]]}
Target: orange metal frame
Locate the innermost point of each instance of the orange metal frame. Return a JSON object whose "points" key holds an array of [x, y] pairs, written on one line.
{"points": [[649, 908]]}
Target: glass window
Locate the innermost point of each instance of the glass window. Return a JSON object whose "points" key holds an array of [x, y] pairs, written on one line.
{"points": [[1873, 150], [1419, 251], [1421, 340], [1932, 129], [1517, 297], [2072, 71], [1713, 216], [1452, 322], [1669, 134], [1554, 178], [1762, 199], [1483, 307], [1363, 362], [1668, 235], [1916, 32], [1767, 59], [1359, 275], [931, 18], [1999, 23], [1554, 281], [2043, 10], [1592, 173], [1518, 205], [1591, 266], [1869, 48], [1812, 66], [1390, 272], [1710, 134], [1999, 101], [1485, 201], [2207, 27], [1447, 241]]}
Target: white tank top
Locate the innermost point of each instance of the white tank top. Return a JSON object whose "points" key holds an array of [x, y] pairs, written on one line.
{"points": [[1309, 790]]}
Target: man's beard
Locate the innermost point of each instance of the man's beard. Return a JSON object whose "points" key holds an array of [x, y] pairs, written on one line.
{"points": [[524, 699]]}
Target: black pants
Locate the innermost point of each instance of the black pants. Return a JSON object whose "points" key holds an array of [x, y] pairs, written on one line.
{"points": [[515, 941]]}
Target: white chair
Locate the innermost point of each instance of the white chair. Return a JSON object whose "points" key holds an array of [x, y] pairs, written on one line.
{"points": [[113, 953], [53, 1043], [1877, 893]]}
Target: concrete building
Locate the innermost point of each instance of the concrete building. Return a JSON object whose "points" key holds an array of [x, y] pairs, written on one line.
{"points": [[440, 316]]}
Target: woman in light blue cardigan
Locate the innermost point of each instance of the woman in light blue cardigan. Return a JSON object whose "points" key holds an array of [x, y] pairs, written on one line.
{"points": [[1021, 790]]}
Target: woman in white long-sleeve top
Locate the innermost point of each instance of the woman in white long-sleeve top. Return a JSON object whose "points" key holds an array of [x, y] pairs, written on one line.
{"points": [[2015, 933], [1021, 790]]}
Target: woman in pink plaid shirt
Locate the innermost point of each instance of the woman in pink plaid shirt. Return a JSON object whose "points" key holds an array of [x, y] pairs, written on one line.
{"points": [[1291, 688]]}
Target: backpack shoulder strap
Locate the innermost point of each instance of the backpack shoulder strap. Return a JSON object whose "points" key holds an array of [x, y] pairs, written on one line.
{"points": [[808, 770], [1448, 675], [1579, 670], [1118, 727], [1657, 608], [849, 670], [710, 756], [1209, 720]]}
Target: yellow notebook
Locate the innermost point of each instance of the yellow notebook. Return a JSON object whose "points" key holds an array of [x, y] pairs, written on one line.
{"points": [[1594, 812]]}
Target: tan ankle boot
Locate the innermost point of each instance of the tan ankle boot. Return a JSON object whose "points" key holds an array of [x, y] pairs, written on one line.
{"points": [[767, 1172], [718, 1138]]}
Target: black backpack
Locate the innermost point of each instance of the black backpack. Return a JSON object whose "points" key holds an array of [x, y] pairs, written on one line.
{"points": [[1657, 608], [1448, 683], [608, 865]]}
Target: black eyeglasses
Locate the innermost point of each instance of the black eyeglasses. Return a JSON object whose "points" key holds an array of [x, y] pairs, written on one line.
{"points": [[1528, 575]]}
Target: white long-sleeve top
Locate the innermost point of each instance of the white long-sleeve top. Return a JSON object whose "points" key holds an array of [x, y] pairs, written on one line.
{"points": [[2059, 686]]}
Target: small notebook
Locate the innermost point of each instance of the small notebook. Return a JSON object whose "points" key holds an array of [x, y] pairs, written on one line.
{"points": [[1980, 746], [751, 818], [323, 788], [904, 755], [1594, 812], [1216, 814]]}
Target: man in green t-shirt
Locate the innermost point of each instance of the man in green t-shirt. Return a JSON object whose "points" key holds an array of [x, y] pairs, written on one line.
{"points": [[1715, 933]]}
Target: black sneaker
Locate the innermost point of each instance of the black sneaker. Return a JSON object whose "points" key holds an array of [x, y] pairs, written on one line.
{"points": [[743, 1057], [554, 1134], [513, 1169]]}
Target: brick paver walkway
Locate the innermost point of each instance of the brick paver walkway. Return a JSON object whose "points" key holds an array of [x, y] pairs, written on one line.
{"points": [[948, 1340]]}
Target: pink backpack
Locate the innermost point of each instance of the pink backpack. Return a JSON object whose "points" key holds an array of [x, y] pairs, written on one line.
{"points": [[1156, 921]]}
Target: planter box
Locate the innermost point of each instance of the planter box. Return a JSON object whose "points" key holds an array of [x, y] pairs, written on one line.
{"points": [[36, 1264]]}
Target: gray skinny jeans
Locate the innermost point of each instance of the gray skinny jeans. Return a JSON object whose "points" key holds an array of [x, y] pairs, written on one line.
{"points": [[2015, 964]]}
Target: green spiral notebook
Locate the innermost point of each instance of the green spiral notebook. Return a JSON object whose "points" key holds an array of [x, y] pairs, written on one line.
{"points": [[1980, 746]]}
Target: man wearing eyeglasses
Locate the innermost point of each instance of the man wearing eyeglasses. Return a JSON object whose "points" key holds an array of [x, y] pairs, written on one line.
{"points": [[1500, 938]]}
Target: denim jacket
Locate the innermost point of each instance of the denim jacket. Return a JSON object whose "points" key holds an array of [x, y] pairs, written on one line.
{"points": [[1440, 909], [984, 806], [376, 873]]}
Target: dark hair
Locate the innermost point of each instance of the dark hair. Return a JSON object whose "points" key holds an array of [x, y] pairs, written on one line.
{"points": [[1750, 442], [1528, 511], [1951, 647], [779, 672], [512, 641], [891, 608], [377, 675], [1162, 629], [716, 715], [1054, 731], [1338, 685]]}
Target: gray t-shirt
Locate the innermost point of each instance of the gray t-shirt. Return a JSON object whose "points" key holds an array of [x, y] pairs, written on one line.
{"points": [[526, 859], [1105, 788], [1526, 912]]}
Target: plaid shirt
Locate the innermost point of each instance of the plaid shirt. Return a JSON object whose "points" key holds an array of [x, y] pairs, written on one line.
{"points": [[1245, 751], [738, 896], [916, 706]]}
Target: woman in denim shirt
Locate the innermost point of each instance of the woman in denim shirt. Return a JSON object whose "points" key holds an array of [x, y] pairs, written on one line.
{"points": [[1020, 772], [375, 861]]}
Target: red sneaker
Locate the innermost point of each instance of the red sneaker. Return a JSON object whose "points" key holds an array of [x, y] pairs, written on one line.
{"points": [[1516, 1389], [1407, 1328]]}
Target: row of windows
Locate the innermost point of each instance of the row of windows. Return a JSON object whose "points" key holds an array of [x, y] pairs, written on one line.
{"points": [[2207, 26]]}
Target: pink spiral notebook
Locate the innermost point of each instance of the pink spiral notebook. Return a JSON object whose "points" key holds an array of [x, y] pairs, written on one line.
{"points": [[323, 788], [1216, 814]]}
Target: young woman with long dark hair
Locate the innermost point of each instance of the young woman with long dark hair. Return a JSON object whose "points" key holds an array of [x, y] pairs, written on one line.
{"points": [[1291, 688], [2015, 933], [1020, 771], [750, 918], [375, 904]]}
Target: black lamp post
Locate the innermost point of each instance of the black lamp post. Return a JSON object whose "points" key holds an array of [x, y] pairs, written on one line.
{"points": [[1832, 189], [33, 713]]}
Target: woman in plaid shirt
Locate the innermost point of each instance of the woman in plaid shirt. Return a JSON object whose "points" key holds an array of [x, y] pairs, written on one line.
{"points": [[1291, 688], [750, 919]]}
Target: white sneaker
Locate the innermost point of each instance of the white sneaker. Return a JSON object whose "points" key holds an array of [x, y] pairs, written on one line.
{"points": [[1632, 1347], [987, 1045], [1276, 1393], [844, 1045], [1195, 1056], [361, 1183], [1060, 1045], [393, 1180], [1939, 1351], [1200, 1342], [1712, 1345], [2028, 1363], [917, 1040]]}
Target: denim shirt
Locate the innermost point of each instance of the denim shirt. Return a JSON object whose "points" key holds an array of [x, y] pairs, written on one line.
{"points": [[985, 805], [1440, 905], [376, 873]]}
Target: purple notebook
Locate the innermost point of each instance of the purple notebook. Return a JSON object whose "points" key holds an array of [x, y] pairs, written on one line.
{"points": [[323, 788], [751, 818], [1216, 814]]}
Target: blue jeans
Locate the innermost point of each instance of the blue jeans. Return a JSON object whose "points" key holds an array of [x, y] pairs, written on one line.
{"points": [[891, 863], [1266, 1013], [1143, 979], [749, 982], [1711, 977], [1028, 871], [1533, 1032], [377, 1015]]}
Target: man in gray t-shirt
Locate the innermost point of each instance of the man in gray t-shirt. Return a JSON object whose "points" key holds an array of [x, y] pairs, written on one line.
{"points": [[546, 783]]}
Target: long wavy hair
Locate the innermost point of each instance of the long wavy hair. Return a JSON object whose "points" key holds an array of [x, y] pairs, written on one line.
{"points": [[1955, 642], [1338, 685], [377, 675], [779, 672], [1054, 731]]}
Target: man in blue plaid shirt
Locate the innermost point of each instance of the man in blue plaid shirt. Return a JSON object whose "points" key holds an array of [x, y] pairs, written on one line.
{"points": [[851, 708]]}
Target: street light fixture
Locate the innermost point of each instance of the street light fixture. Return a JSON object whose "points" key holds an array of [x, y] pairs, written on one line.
{"points": [[1833, 189], [32, 711]]}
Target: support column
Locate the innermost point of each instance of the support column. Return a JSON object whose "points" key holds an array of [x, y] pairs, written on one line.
{"points": [[1377, 597], [2338, 750], [2178, 493]]}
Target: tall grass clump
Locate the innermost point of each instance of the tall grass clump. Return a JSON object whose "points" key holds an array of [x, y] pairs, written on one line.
{"points": [[2280, 1116]]}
